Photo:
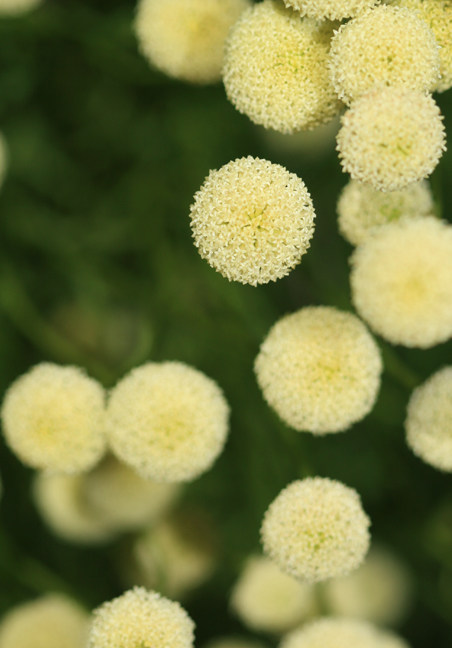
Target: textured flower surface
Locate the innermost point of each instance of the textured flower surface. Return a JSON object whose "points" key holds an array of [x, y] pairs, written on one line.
{"points": [[53, 418], [52, 621], [316, 529], [341, 633], [319, 369], [252, 220], [266, 599], [141, 619], [332, 9], [275, 69], [429, 420], [401, 282], [388, 46], [185, 38], [391, 138], [361, 208], [168, 421]]}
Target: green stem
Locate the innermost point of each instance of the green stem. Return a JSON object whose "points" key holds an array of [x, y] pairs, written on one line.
{"points": [[397, 369]]}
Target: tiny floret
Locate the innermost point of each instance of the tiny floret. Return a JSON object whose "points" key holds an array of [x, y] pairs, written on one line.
{"points": [[168, 421], [341, 633], [401, 282], [276, 69], [362, 209], [266, 599], [16, 7], [319, 369], [391, 137], [389, 46], [316, 529], [332, 9], [51, 621], [429, 420], [141, 619], [53, 419], [252, 220], [185, 38]]}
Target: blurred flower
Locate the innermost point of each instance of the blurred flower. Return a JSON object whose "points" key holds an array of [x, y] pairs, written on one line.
{"points": [[275, 69], [141, 618], [332, 9], [316, 529], [319, 369], [13, 7], [391, 138], [311, 145], [185, 38], [54, 417], [252, 220]]}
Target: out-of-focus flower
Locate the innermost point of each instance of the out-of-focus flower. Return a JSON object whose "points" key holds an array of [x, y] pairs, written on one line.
{"points": [[16, 7]]}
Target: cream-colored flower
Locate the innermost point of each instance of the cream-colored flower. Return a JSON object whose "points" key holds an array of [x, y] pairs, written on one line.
{"points": [[168, 421], [316, 529], [266, 599], [252, 220], [391, 137], [185, 38], [332, 9], [141, 619], [429, 420], [401, 282], [438, 15], [362, 209], [341, 633], [275, 69], [51, 621], [319, 369], [53, 419], [378, 591], [15, 7], [388, 46]]}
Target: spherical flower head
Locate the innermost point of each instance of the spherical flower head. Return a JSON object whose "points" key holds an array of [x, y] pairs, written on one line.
{"points": [[316, 529], [53, 419], [438, 15], [401, 282], [379, 591], [266, 599], [185, 38], [51, 621], [391, 137], [319, 369], [388, 46], [61, 503], [362, 209], [16, 7], [141, 619], [332, 9], [252, 220], [167, 421], [124, 501], [276, 69], [429, 420], [341, 633]]}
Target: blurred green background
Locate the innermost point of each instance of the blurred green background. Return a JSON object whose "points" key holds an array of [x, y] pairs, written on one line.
{"points": [[98, 268]]}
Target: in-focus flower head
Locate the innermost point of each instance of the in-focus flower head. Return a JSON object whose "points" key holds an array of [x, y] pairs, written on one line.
{"points": [[319, 369], [185, 38], [401, 282], [51, 621], [141, 618], [332, 9], [341, 633], [275, 69], [391, 137], [252, 220], [266, 599], [361, 208], [388, 46], [438, 15], [429, 420], [168, 421], [16, 7], [316, 529], [53, 418]]}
